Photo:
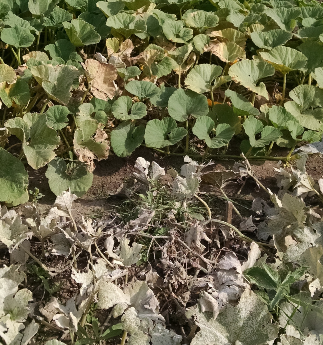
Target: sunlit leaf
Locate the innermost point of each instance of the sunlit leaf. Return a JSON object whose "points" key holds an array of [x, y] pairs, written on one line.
{"points": [[253, 126], [204, 126], [126, 138], [270, 39], [13, 178], [17, 37], [183, 104], [81, 33], [286, 18], [161, 133], [200, 20], [285, 59], [57, 80], [201, 78], [249, 72], [122, 106], [142, 89], [175, 31], [71, 175]]}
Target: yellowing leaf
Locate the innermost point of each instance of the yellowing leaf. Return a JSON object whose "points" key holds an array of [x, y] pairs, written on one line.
{"points": [[101, 77]]}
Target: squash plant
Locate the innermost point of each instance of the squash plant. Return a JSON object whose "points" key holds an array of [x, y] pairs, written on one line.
{"points": [[82, 79]]}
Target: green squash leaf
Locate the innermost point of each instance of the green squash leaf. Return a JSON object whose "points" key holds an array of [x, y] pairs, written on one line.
{"points": [[201, 78], [110, 8], [13, 179], [161, 133], [253, 126], [204, 126], [126, 138], [286, 18], [81, 33], [39, 141], [318, 76], [129, 72], [306, 106], [282, 119], [174, 31], [200, 43], [127, 24], [241, 106], [63, 49], [56, 17], [41, 7], [285, 59], [57, 80], [19, 92], [7, 74], [314, 53], [122, 106], [183, 104], [249, 72], [161, 100], [270, 39], [72, 175], [17, 36], [200, 20], [142, 89], [57, 117]]}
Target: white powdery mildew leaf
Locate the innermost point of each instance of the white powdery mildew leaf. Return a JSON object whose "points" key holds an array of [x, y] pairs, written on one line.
{"points": [[29, 332], [65, 201], [110, 294], [70, 315], [84, 278], [248, 323], [17, 305], [129, 255], [142, 298]]}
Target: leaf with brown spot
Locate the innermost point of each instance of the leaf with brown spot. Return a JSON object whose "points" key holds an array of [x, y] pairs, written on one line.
{"points": [[102, 78]]}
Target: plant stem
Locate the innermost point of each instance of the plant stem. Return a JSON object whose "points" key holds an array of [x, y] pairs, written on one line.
{"points": [[224, 157], [284, 89], [238, 232], [205, 204], [179, 77], [309, 79], [124, 337], [44, 107], [270, 148], [35, 259], [64, 137], [17, 56], [38, 39], [253, 98], [187, 138], [212, 98]]}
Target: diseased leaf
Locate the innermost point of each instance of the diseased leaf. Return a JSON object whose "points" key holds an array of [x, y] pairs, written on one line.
{"points": [[248, 323], [57, 80], [129, 255], [39, 141], [101, 76], [7, 74], [226, 51]]}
